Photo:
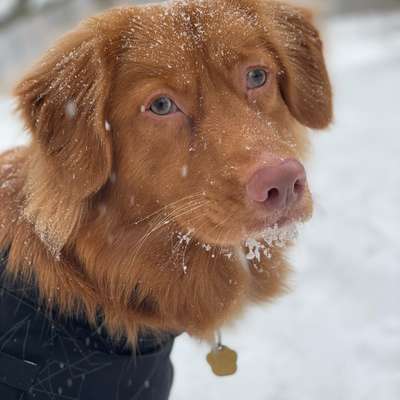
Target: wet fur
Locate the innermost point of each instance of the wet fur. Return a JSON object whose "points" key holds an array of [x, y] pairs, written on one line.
{"points": [[95, 213]]}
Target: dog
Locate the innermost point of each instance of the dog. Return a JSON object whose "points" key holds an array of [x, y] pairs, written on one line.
{"points": [[165, 167]]}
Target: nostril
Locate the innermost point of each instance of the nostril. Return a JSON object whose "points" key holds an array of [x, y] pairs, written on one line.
{"points": [[298, 187], [272, 194]]}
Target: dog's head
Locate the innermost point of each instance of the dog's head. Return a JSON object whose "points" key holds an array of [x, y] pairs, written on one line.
{"points": [[197, 108]]}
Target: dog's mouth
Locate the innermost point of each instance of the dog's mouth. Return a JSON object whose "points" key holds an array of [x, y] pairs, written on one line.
{"points": [[258, 227], [256, 244], [276, 236], [241, 229], [220, 221], [274, 198]]}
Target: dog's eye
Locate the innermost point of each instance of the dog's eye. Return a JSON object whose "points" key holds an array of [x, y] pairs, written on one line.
{"points": [[256, 78], [163, 106]]}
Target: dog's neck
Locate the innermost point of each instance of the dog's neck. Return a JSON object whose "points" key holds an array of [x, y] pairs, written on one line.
{"points": [[170, 279], [164, 273]]}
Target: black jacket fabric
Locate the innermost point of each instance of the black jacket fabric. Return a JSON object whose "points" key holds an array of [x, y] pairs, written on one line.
{"points": [[46, 357]]}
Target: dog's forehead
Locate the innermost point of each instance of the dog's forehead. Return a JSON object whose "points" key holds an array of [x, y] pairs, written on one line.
{"points": [[185, 33]]}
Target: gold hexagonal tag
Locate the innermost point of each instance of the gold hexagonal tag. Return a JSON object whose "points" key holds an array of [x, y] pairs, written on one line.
{"points": [[223, 361]]}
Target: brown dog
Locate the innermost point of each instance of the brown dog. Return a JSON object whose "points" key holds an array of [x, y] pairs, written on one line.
{"points": [[165, 139]]}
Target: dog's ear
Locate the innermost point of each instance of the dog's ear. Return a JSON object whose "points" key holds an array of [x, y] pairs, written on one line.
{"points": [[63, 101], [304, 79]]}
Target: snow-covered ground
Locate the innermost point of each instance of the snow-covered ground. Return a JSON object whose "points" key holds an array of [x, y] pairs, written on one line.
{"points": [[337, 335]]}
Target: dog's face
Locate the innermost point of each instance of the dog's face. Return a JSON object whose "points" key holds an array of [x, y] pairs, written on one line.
{"points": [[197, 108]]}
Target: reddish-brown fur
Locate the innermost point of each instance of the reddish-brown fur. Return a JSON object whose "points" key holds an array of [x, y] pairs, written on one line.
{"points": [[95, 212]]}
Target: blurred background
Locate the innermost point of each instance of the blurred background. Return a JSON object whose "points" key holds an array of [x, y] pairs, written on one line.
{"points": [[337, 334], [28, 27]]}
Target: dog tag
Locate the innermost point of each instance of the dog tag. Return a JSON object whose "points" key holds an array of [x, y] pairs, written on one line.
{"points": [[223, 361]]}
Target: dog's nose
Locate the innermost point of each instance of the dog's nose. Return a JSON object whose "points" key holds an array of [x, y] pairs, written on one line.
{"points": [[279, 186]]}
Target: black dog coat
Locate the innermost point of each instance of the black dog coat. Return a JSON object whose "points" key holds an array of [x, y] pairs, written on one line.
{"points": [[46, 357]]}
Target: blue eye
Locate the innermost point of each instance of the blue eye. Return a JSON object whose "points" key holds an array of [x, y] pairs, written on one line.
{"points": [[163, 106], [256, 78]]}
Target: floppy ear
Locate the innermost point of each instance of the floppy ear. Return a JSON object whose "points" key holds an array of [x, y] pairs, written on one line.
{"points": [[63, 102], [304, 79]]}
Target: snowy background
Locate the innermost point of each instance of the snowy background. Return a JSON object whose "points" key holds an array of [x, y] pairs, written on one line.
{"points": [[337, 335]]}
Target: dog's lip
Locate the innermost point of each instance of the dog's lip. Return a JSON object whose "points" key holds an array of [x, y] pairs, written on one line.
{"points": [[260, 226]]}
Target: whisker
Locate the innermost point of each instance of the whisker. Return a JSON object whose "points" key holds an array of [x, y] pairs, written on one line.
{"points": [[175, 248], [194, 196], [219, 228], [164, 222]]}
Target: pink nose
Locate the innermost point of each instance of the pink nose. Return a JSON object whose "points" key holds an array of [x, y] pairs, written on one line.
{"points": [[278, 187]]}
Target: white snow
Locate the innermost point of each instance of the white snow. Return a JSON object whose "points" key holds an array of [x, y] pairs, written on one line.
{"points": [[107, 126], [71, 110], [11, 128], [7, 6], [271, 237], [184, 171], [337, 335]]}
